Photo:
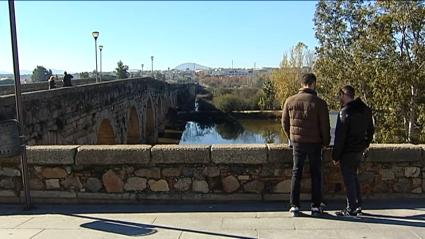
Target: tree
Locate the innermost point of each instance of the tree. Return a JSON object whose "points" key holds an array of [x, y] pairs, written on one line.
{"points": [[379, 48], [84, 75], [268, 98], [41, 74], [122, 70], [300, 60]]}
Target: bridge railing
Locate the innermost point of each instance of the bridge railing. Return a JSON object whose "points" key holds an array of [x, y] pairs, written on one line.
{"points": [[131, 173]]}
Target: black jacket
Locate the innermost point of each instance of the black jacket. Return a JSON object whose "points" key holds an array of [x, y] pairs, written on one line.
{"points": [[354, 129]]}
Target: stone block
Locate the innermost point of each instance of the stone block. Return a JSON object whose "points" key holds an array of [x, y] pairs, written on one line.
{"points": [[93, 185], [55, 172], [51, 194], [200, 186], [279, 153], [283, 187], [135, 184], [106, 196], [395, 153], [113, 154], [181, 154], [171, 172], [112, 182], [244, 177], [239, 153], [72, 183], [7, 183], [7, 193], [52, 154], [159, 196], [148, 173], [412, 172], [10, 172], [183, 184], [387, 174], [417, 182], [255, 186], [211, 171], [402, 186], [36, 184], [221, 197], [230, 184], [52, 184], [158, 186]]}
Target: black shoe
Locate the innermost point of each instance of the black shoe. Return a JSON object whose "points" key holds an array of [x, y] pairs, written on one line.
{"points": [[346, 213]]}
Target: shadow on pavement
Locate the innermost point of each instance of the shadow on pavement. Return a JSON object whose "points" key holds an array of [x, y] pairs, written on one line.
{"points": [[139, 229], [118, 228], [410, 221]]}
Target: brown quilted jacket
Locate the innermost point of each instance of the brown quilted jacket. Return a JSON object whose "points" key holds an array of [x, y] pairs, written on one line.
{"points": [[305, 118]]}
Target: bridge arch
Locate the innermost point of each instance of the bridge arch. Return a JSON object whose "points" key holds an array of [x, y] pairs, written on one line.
{"points": [[105, 133], [150, 123], [133, 130]]}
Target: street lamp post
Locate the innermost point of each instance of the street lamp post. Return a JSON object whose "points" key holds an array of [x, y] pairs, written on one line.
{"points": [[100, 50], [18, 101], [142, 68], [152, 65], [95, 36]]}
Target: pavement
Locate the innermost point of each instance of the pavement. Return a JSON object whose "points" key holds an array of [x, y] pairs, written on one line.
{"points": [[382, 219]]}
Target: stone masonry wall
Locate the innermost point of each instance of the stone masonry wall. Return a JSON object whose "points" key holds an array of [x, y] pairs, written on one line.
{"points": [[135, 173], [73, 115]]}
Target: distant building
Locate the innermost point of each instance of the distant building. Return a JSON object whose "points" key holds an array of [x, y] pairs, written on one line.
{"points": [[226, 72]]}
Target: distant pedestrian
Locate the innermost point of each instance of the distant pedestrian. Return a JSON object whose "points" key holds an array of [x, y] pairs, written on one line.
{"points": [[52, 82], [353, 135], [305, 121], [67, 79]]}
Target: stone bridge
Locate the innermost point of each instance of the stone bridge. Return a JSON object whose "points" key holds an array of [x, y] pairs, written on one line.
{"points": [[128, 111]]}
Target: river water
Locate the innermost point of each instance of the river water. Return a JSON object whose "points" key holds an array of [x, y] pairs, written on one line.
{"points": [[241, 131]]}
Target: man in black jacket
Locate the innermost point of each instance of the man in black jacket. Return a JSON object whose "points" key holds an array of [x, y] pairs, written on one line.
{"points": [[353, 135]]}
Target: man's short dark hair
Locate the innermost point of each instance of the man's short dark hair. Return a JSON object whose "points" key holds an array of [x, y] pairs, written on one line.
{"points": [[308, 79], [349, 91]]}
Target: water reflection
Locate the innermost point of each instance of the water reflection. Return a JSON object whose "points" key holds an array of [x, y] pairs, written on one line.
{"points": [[233, 132]]}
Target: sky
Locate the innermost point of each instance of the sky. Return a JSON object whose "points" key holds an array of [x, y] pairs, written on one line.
{"points": [[57, 34]]}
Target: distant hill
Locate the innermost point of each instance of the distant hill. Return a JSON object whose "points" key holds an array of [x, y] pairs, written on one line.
{"points": [[191, 67]]}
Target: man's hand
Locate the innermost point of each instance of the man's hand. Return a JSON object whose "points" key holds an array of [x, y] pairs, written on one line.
{"points": [[365, 154], [336, 163]]}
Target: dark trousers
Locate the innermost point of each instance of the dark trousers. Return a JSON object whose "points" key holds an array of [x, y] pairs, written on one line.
{"points": [[314, 154], [349, 164]]}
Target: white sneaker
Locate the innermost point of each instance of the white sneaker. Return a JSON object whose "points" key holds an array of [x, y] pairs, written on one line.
{"points": [[316, 211], [294, 211], [359, 211]]}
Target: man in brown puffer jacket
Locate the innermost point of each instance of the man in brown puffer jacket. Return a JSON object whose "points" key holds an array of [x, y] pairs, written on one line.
{"points": [[305, 121]]}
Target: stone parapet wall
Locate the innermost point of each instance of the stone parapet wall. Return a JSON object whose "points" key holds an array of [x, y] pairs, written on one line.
{"points": [[134, 173], [10, 89]]}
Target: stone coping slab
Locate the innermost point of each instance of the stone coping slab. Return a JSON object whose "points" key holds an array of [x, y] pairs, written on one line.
{"points": [[395, 153], [180, 154], [239, 153], [279, 153], [52, 154], [113, 154], [195, 154]]}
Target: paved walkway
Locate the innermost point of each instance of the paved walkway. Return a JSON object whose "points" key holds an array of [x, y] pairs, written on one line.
{"points": [[386, 220]]}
